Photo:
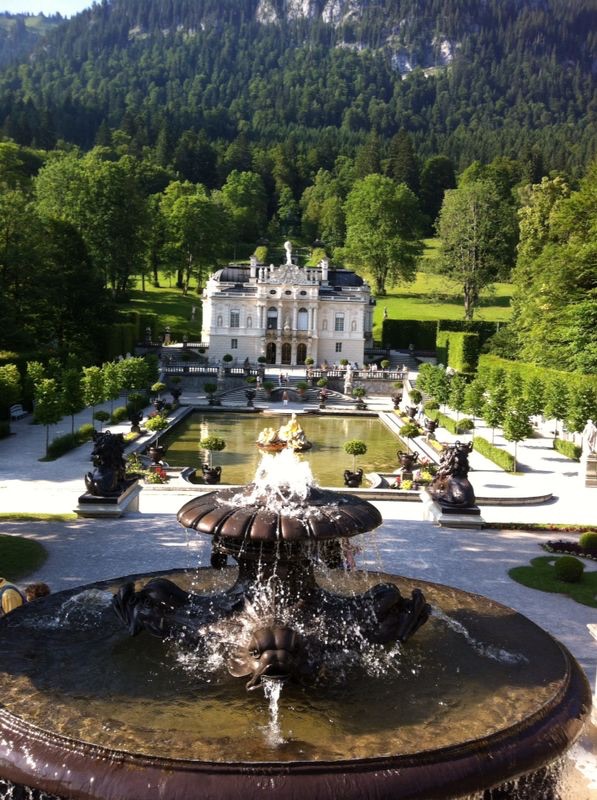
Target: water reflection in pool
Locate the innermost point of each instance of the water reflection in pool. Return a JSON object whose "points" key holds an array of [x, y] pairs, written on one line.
{"points": [[240, 431]]}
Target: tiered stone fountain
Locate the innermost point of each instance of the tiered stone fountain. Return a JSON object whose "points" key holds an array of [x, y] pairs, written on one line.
{"points": [[481, 702]]}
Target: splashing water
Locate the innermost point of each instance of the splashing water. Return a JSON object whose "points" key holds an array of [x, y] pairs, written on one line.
{"points": [[485, 650], [81, 611], [272, 690], [285, 480]]}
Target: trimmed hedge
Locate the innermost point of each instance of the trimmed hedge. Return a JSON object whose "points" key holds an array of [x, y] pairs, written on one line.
{"points": [[63, 444], [574, 380], [442, 347], [119, 338], [568, 449], [463, 351], [500, 457], [450, 424], [485, 330], [119, 414], [400, 333]]}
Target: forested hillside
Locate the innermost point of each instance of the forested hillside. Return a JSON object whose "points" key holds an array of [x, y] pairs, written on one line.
{"points": [[19, 33], [466, 79]]}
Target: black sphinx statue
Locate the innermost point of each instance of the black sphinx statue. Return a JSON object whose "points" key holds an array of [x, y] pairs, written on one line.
{"points": [[451, 487], [108, 479]]}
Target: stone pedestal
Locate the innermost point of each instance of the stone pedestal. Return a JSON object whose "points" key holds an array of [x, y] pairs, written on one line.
{"points": [[589, 471], [91, 505], [450, 516]]}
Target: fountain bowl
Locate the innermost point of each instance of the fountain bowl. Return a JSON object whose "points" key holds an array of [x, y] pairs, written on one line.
{"points": [[54, 739]]}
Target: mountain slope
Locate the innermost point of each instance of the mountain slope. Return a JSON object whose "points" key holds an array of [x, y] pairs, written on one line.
{"points": [[470, 79]]}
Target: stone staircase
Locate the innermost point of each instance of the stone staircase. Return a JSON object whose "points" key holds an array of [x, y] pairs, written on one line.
{"points": [[237, 396]]}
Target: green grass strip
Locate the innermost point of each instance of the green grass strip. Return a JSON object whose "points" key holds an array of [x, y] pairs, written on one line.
{"points": [[31, 516], [20, 557], [540, 575]]}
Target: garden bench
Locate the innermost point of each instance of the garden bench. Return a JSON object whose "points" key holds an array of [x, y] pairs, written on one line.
{"points": [[17, 411]]}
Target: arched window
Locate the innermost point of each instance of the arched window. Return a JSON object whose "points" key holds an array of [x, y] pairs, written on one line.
{"points": [[270, 353], [301, 353], [286, 353], [302, 320], [272, 319]]}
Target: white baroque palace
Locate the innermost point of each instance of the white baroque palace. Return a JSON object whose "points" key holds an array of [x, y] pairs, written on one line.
{"points": [[287, 313]]}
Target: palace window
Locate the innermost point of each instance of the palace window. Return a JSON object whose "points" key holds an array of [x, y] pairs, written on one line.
{"points": [[339, 322], [272, 318], [338, 347], [302, 320], [235, 318], [234, 344]]}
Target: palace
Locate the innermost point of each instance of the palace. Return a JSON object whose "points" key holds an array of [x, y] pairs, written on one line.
{"points": [[287, 313]]}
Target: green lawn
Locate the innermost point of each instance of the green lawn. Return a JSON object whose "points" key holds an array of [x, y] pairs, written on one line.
{"points": [[19, 557], [171, 305], [432, 296], [541, 575]]}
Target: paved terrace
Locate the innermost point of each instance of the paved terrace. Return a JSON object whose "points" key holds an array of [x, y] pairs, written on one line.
{"points": [[83, 550]]}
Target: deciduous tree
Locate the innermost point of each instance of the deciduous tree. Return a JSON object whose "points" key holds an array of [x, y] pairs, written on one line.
{"points": [[476, 232], [383, 227]]}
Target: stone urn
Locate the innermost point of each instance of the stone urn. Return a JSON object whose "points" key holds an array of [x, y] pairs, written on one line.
{"points": [[156, 452], [407, 460], [430, 425], [412, 411], [396, 400], [211, 474], [353, 479]]}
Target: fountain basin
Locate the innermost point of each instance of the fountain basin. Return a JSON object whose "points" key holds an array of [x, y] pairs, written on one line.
{"points": [[479, 697]]}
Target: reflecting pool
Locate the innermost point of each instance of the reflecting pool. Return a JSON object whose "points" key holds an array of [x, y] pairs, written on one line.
{"points": [[240, 431]]}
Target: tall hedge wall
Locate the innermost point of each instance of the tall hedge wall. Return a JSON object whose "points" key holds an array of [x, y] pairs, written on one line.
{"points": [[576, 379], [400, 333], [463, 350], [423, 334]]}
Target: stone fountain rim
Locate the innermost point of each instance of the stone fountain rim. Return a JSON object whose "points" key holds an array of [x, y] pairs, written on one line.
{"points": [[466, 764]]}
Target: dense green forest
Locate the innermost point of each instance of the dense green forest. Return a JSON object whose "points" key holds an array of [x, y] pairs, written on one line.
{"points": [[20, 33], [147, 137], [465, 79]]}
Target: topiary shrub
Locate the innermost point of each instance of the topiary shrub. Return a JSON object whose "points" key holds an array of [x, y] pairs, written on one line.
{"points": [[410, 430], [588, 540], [465, 424], [119, 415], [569, 569], [85, 433]]}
